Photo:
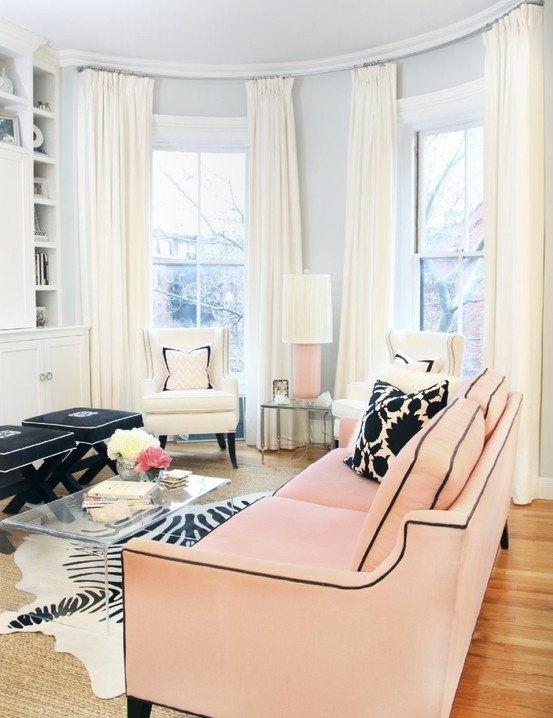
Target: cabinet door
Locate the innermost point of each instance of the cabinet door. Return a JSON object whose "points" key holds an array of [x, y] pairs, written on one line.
{"points": [[66, 367], [21, 380], [16, 269]]}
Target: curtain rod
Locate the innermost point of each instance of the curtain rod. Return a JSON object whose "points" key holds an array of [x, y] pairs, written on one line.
{"points": [[81, 68], [325, 71], [474, 33]]}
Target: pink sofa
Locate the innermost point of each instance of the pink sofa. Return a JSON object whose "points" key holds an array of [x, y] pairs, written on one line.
{"points": [[337, 596]]}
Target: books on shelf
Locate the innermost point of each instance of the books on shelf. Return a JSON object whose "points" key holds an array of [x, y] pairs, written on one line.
{"points": [[42, 274]]}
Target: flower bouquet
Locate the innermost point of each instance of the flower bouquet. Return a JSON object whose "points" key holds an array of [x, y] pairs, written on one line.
{"points": [[152, 462], [126, 445]]}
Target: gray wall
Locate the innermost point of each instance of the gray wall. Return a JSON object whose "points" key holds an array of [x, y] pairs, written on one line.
{"points": [[322, 104]]}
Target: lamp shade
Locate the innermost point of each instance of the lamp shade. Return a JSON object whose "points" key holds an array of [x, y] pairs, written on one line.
{"points": [[307, 309]]}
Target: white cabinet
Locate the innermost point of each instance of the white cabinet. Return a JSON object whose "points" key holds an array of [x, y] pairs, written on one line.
{"points": [[38, 375]]}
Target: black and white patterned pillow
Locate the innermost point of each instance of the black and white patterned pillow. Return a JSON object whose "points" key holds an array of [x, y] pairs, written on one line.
{"points": [[390, 420], [422, 365]]}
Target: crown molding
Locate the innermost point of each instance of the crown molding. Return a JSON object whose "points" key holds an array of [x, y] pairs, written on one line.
{"points": [[19, 40], [390, 52]]}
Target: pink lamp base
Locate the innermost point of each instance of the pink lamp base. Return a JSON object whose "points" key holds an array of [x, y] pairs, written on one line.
{"points": [[306, 378]]}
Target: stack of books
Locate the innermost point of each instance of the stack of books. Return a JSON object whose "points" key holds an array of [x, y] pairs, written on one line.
{"points": [[175, 479], [136, 494]]}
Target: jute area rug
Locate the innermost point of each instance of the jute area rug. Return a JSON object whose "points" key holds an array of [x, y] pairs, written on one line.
{"points": [[35, 680]]}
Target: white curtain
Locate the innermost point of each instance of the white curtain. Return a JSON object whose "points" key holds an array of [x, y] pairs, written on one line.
{"points": [[514, 221], [114, 158], [274, 240], [367, 297]]}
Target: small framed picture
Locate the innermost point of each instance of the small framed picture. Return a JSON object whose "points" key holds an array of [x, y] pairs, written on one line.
{"points": [[9, 128], [41, 317], [40, 187], [280, 389]]}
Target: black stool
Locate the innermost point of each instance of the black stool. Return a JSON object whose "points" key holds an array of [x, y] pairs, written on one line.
{"points": [[20, 447], [91, 428]]}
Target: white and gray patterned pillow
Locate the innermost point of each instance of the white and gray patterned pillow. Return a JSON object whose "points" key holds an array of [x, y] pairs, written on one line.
{"points": [[390, 420], [187, 370]]}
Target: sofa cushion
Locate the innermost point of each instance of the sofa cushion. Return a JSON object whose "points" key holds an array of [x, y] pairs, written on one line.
{"points": [[428, 473], [330, 483], [489, 390], [391, 419], [187, 370], [289, 531]]}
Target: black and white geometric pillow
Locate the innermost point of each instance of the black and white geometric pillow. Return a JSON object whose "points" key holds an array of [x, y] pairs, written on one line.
{"points": [[422, 365], [391, 419]]}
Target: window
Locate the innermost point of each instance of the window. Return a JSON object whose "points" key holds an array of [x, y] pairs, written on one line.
{"points": [[198, 239], [450, 235]]}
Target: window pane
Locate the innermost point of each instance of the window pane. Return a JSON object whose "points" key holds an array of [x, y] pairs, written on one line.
{"points": [[222, 205], [473, 312], [442, 192], [452, 300], [175, 295], [222, 303], [175, 204], [439, 290]]}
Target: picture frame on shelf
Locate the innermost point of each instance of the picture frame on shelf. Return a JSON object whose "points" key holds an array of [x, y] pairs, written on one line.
{"points": [[41, 317], [9, 128], [40, 187]]}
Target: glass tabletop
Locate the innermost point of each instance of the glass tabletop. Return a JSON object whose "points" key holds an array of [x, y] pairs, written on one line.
{"points": [[66, 518], [297, 404]]}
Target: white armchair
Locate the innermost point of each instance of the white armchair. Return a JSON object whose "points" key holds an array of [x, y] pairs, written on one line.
{"points": [[188, 390], [447, 349]]}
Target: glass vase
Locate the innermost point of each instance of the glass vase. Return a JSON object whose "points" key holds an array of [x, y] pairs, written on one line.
{"points": [[155, 475], [125, 470]]}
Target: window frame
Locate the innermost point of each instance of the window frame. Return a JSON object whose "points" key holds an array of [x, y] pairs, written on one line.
{"points": [[199, 134], [453, 108]]}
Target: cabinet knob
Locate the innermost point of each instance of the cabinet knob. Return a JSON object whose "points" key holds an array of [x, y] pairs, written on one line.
{"points": [[49, 375], [42, 377]]}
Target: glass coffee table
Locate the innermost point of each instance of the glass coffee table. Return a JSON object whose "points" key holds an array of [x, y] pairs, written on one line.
{"points": [[66, 519]]}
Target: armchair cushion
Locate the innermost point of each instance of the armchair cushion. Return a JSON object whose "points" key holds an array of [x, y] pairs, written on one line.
{"points": [[391, 419], [187, 370], [189, 401]]}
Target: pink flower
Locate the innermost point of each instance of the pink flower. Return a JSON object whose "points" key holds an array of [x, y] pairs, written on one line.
{"points": [[154, 457]]}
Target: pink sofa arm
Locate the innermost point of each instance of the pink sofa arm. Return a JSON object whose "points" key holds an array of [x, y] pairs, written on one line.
{"points": [[317, 630], [349, 427]]}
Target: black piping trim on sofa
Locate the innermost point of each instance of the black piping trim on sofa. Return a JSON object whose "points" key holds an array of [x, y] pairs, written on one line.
{"points": [[492, 395], [408, 473], [414, 522]]}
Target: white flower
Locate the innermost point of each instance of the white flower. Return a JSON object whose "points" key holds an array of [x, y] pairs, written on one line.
{"points": [[129, 443]]}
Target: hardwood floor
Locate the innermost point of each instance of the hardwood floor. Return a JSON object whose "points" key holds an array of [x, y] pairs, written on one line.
{"points": [[509, 669]]}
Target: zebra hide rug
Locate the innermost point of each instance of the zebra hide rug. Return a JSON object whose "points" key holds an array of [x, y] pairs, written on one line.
{"points": [[67, 579]]}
